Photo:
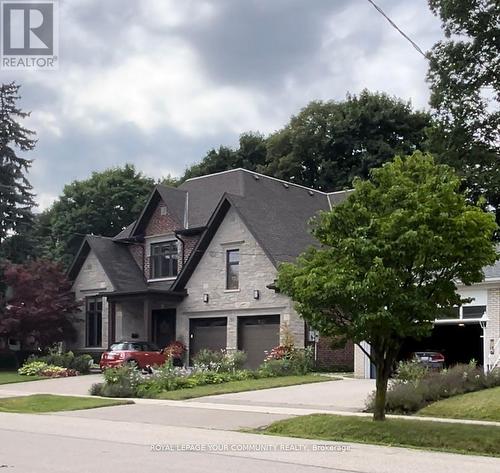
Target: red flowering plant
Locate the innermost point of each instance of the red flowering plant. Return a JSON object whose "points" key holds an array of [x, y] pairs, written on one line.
{"points": [[279, 353], [174, 350]]}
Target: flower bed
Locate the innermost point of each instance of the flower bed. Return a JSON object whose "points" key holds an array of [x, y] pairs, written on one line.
{"points": [[40, 368], [209, 368], [413, 388], [56, 365]]}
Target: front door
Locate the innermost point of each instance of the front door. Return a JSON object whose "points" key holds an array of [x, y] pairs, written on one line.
{"points": [[163, 327]]}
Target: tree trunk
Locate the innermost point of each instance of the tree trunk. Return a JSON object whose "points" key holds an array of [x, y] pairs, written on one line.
{"points": [[382, 378]]}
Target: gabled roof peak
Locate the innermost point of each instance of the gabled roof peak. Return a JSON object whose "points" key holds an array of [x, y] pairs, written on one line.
{"points": [[257, 175]]}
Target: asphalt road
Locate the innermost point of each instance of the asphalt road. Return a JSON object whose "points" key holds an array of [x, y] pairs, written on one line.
{"points": [[83, 444]]}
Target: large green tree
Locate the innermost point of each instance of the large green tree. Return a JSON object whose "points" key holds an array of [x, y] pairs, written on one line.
{"points": [[249, 155], [464, 76], [328, 144], [16, 198], [103, 205], [390, 258]]}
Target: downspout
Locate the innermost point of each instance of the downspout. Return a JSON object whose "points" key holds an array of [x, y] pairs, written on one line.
{"points": [[183, 247]]}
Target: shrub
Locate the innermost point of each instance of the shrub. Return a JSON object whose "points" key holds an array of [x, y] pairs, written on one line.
{"points": [[121, 381], [96, 389], [410, 395], [410, 371], [221, 360], [232, 361], [32, 368], [271, 368], [117, 390], [206, 358], [175, 350], [283, 361], [81, 363]]}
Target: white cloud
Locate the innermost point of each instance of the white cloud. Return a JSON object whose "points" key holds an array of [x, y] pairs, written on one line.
{"points": [[133, 66]]}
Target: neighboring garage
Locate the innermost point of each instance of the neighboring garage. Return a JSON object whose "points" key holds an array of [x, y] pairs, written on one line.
{"points": [[256, 335], [459, 343], [209, 333]]}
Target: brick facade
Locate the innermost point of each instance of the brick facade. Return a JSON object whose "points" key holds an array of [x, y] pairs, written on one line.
{"points": [[334, 359], [137, 252]]}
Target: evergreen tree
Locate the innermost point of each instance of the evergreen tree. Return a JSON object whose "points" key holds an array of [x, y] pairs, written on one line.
{"points": [[16, 198]]}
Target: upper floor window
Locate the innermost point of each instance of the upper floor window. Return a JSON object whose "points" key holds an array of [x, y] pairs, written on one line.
{"points": [[232, 269], [164, 258], [93, 321]]}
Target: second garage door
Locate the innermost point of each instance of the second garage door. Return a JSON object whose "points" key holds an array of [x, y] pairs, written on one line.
{"points": [[256, 335]]}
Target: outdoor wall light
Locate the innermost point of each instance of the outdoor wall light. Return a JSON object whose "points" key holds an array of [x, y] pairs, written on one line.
{"points": [[205, 298], [256, 294]]}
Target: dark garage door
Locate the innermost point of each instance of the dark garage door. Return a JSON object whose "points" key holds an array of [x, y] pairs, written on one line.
{"points": [[257, 335], [210, 334]]}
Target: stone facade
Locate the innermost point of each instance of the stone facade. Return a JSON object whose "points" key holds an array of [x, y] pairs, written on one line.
{"points": [[91, 281], [255, 272]]}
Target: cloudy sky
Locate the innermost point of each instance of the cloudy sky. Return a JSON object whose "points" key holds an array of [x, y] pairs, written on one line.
{"points": [[159, 82]]}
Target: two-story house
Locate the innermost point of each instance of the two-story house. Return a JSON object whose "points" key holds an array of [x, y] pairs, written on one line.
{"points": [[198, 265]]}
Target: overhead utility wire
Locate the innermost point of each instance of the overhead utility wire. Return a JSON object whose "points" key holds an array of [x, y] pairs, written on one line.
{"points": [[397, 28]]}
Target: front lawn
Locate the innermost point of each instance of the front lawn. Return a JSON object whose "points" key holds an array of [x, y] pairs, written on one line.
{"points": [[480, 405], [240, 386], [457, 438], [7, 377], [38, 403]]}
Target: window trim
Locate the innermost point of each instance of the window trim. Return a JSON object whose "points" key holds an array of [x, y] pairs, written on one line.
{"points": [[228, 264], [152, 245], [97, 321]]}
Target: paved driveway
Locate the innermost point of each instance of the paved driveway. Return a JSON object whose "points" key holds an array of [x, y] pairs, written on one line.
{"points": [[343, 395], [77, 385]]}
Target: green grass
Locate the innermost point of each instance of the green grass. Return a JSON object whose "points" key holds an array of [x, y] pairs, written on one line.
{"points": [[480, 405], [448, 437], [7, 377], [37, 403], [240, 386]]}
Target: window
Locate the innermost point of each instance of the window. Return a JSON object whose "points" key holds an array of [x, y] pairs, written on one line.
{"points": [[473, 311], [232, 269], [164, 258], [93, 319]]}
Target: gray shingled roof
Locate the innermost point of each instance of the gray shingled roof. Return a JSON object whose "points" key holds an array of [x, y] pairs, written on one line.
{"points": [[125, 233], [118, 264], [204, 193], [175, 199], [276, 212]]}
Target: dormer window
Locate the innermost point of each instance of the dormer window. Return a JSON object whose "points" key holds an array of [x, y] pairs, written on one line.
{"points": [[164, 258]]}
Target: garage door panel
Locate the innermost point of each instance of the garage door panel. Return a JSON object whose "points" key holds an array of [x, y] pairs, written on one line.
{"points": [[209, 334], [256, 335]]}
